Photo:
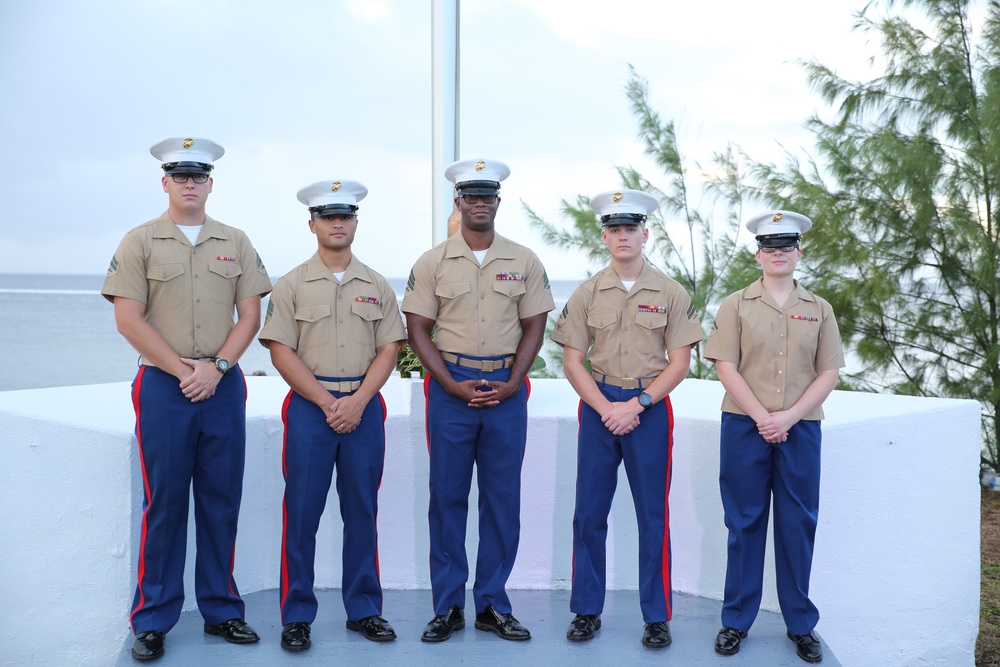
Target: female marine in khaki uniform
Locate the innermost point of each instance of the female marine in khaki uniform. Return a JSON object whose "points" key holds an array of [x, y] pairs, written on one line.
{"points": [[333, 329], [637, 327], [777, 352]]}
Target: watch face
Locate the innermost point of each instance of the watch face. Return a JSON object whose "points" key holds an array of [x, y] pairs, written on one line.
{"points": [[222, 365], [645, 400]]}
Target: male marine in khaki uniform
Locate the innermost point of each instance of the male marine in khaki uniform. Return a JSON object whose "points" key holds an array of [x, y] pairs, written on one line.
{"points": [[637, 327], [175, 282], [485, 298], [333, 329]]}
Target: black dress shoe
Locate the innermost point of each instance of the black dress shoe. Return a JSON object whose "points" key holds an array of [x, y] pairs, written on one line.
{"points": [[504, 625], [234, 631], [727, 642], [374, 628], [656, 635], [148, 645], [583, 627], [295, 636], [442, 625], [807, 646]]}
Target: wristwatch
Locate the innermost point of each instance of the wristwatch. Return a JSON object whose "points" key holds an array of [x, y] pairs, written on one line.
{"points": [[645, 400], [221, 365]]}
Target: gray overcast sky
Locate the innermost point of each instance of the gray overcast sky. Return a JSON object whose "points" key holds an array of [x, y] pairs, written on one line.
{"points": [[307, 90]]}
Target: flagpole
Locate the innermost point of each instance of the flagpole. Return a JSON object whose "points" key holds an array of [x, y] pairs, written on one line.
{"points": [[444, 110]]}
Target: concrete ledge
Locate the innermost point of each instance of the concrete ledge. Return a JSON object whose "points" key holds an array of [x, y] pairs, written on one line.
{"points": [[897, 546]]}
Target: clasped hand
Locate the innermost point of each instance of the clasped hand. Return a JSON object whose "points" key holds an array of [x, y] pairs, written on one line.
{"points": [[200, 383], [482, 393], [621, 418]]}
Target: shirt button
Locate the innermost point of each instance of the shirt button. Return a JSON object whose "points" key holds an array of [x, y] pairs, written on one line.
{"points": [[342, 370], [781, 354], [781, 335], [781, 317], [197, 275], [484, 319], [341, 345], [778, 391], [341, 320], [197, 326], [625, 328], [780, 372], [197, 300]]}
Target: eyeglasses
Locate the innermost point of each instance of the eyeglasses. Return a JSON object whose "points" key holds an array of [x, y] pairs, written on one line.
{"points": [[472, 199], [784, 248], [182, 178]]}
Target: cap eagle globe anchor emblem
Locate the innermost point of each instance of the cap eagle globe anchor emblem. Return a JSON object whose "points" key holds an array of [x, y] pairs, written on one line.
{"points": [[617, 198], [480, 165], [189, 142], [336, 185], [777, 217]]}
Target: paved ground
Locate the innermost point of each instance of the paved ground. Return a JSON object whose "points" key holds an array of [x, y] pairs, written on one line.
{"points": [[545, 613]]}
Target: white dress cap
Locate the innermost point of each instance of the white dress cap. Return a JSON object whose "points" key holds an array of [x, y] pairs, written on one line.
{"points": [[194, 150], [333, 197], [471, 175], [782, 223], [618, 206]]}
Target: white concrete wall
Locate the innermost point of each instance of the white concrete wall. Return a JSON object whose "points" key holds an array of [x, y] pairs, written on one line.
{"points": [[895, 576]]}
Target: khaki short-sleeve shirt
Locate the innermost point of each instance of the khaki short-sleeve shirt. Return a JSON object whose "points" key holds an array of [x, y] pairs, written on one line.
{"points": [[190, 292], [628, 334], [334, 327], [478, 309], [779, 350]]}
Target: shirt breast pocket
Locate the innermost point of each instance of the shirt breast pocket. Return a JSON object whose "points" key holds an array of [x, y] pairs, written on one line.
{"points": [[314, 323], [602, 327], [453, 301], [224, 276], [506, 298], [366, 318], [166, 287], [649, 331]]}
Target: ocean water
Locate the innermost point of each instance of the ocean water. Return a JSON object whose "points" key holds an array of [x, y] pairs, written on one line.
{"points": [[57, 330]]}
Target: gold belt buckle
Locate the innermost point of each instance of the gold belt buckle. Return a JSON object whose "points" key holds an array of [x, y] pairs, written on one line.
{"points": [[630, 383]]}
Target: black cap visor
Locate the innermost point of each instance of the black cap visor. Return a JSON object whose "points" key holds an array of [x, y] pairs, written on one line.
{"points": [[778, 240], [622, 219], [187, 168], [329, 210], [477, 188]]}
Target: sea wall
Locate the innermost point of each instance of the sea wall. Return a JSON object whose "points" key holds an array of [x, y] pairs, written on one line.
{"points": [[895, 575]]}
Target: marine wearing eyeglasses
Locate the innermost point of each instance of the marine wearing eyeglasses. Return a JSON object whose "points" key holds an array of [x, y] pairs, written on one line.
{"points": [[175, 283], [485, 298]]}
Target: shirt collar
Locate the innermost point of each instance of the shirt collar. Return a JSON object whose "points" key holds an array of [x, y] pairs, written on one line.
{"points": [[317, 270]]}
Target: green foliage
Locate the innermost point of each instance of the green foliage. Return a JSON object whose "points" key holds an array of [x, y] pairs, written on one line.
{"points": [[704, 257], [904, 189], [907, 249]]}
